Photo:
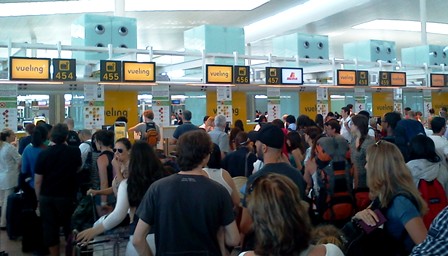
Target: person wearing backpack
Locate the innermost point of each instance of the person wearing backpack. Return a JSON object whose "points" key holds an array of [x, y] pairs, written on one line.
{"points": [[391, 185], [148, 130], [430, 175]]}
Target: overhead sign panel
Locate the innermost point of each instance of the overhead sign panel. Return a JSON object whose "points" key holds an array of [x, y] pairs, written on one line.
{"points": [[362, 77], [139, 71], [273, 75], [64, 69], [29, 68], [292, 76], [352, 77], [346, 77], [219, 74], [110, 71], [241, 74], [439, 80], [392, 78]]}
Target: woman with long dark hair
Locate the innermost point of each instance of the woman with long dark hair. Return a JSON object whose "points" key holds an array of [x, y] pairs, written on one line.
{"points": [[144, 169], [361, 141]]}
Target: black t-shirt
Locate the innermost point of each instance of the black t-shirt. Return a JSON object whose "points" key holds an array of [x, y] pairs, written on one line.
{"points": [[279, 168], [234, 162], [185, 212], [58, 164]]}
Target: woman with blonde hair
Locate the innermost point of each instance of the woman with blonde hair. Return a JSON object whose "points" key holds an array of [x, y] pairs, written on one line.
{"points": [[393, 190], [281, 222]]}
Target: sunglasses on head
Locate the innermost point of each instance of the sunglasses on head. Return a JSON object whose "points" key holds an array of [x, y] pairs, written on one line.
{"points": [[117, 149]]}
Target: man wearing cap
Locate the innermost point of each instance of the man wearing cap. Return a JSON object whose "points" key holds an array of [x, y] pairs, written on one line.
{"points": [[269, 145]]}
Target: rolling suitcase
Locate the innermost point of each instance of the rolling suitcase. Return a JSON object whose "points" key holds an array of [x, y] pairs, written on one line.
{"points": [[14, 209], [33, 237]]}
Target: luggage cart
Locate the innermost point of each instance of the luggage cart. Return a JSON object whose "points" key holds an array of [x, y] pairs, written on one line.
{"points": [[111, 245]]}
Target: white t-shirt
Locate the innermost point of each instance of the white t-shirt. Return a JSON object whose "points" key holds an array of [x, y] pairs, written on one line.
{"points": [[344, 131], [331, 250], [441, 143]]}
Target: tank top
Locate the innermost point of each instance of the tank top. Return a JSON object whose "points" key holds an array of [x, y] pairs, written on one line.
{"points": [[216, 175], [110, 172]]}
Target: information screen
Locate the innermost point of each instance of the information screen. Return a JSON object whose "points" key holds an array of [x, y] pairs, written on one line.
{"points": [[292, 76]]}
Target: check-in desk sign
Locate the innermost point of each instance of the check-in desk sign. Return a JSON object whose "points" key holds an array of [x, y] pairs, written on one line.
{"points": [[127, 71], [439, 80], [21, 68], [352, 77], [227, 74]]}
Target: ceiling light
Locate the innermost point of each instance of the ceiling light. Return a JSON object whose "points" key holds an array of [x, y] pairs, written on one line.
{"points": [[57, 7], [101, 6], [404, 25], [297, 16], [193, 5]]}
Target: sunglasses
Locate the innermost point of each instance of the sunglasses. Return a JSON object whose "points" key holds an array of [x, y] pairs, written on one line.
{"points": [[378, 143], [120, 150]]}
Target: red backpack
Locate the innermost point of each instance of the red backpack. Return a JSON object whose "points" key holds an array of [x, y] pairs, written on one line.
{"points": [[434, 195]]}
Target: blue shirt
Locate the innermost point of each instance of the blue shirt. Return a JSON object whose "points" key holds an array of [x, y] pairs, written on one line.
{"points": [[436, 243], [29, 158], [399, 213]]}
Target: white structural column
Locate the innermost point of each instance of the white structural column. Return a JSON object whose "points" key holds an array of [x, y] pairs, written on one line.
{"points": [[423, 20], [119, 8]]}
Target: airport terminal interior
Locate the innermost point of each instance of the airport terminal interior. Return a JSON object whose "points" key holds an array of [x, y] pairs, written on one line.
{"points": [[97, 60]]}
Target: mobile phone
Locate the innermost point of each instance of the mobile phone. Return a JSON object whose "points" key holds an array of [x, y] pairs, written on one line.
{"points": [[120, 130], [367, 229]]}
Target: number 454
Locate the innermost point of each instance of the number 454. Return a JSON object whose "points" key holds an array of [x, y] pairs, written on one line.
{"points": [[64, 75]]}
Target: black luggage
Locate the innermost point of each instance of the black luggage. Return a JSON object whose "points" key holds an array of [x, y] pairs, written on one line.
{"points": [[14, 209], [33, 238]]}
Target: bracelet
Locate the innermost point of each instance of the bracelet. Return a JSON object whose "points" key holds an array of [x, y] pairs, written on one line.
{"points": [[103, 203]]}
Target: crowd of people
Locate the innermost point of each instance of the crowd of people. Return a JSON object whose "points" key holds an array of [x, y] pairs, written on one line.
{"points": [[268, 191]]}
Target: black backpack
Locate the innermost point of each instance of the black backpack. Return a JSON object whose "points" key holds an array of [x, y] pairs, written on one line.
{"points": [[73, 139]]}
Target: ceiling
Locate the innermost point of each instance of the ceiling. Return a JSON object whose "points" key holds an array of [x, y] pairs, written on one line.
{"points": [[164, 30]]}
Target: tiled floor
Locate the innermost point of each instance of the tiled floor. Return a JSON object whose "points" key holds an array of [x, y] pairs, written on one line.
{"points": [[13, 248]]}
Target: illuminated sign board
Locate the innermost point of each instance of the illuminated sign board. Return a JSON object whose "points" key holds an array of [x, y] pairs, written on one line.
{"points": [[273, 75], [219, 74], [139, 71], [64, 69], [392, 78], [241, 74], [29, 68], [352, 77], [362, 77], [347, 77], [292, 76], [110, 71], [439, 80]]}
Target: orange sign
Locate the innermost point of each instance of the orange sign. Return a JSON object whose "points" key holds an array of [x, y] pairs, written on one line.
{"points": [[437, 80], [346, 77], [29, 68], [398, 78]]}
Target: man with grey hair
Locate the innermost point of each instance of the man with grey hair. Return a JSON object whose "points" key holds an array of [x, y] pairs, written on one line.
{"points": [[219, 137], [186, 126], [73, 138]]}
